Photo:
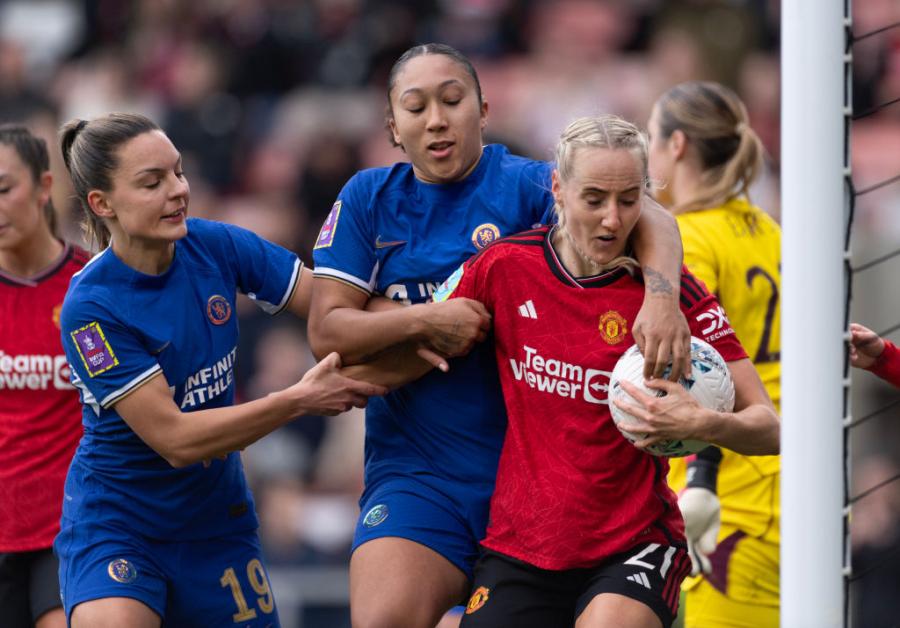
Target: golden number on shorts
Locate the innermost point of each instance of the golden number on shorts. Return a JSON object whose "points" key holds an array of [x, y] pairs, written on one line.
{"points": [[229, 579], [260, 583]]}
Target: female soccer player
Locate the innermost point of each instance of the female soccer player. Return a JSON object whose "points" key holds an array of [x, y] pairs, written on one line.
{"points": [[158, 523], [870, 351], [704, 156], [40, 416], [583, 527], [432, 447]]}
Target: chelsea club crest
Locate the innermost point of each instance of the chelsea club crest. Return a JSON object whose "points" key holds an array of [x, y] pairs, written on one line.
{"points": [[484, 235], [376, 515], [121, 570]]}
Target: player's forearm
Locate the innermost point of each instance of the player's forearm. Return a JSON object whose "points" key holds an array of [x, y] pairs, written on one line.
{"points": [[359, 336], [657, 244], [205, 434], [753, 431], [394, 368]]}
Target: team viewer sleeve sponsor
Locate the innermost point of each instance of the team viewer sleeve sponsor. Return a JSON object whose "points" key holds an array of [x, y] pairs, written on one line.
{"points": [[108, 361]]}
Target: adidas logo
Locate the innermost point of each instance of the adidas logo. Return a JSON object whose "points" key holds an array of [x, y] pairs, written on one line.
{"points": [[640, 578], [526, 310]]}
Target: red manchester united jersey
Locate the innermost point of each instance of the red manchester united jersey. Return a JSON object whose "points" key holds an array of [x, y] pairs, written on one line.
{"points": [[571, 491], [40, 415]]}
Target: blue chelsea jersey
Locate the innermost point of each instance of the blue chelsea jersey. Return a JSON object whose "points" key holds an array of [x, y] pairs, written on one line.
{"points": [[390, 234], [120, 328]]}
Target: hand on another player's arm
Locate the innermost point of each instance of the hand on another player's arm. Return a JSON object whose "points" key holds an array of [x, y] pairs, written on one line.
{"points": [[452, 327], [185, 438], [660, 329], [398, 366]]}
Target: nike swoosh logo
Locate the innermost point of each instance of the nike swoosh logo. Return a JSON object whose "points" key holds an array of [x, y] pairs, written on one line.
{"points": [[161, 349], [379, 244]]}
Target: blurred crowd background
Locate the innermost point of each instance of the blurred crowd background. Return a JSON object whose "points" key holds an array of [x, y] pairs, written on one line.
{"points": [[276, 103]]}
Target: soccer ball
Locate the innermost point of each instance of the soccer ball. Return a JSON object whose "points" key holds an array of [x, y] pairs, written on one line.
{"points": [[709, 383]]}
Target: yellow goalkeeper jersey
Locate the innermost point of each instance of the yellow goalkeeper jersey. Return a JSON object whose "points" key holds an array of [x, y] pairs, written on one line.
{"points": [[735, 250]]}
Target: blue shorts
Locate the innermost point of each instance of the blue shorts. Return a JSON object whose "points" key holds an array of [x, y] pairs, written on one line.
{"points": [[446, 516], [211, 582]]}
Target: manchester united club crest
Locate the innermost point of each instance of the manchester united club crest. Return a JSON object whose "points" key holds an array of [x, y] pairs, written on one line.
{"points": [[613, 327], [479, 598], [218, 310], [484, 235]]}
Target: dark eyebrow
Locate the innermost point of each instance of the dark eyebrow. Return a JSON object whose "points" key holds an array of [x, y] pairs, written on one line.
{"points": [[157, 170], [416, 90]]}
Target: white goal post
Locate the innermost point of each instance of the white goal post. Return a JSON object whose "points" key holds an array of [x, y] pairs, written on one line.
{"points": [[812, 333]]}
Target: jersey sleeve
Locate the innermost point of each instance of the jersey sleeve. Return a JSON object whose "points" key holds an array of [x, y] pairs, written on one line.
{"points": [[536, 194], [699, 255], [107, 359], [344, 250], [887, 366], [265, 272], [707, 319], [468, 281]]}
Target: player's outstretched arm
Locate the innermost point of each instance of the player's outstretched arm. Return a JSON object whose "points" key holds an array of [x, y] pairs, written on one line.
{"points": [[753, 429], [660, 329], [184, 438], [870, 351], [339, 322]]}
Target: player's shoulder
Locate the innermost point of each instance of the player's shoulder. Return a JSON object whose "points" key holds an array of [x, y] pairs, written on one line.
{"points": [[369, 181], [517, 165], [95, 291], [692, 291]]}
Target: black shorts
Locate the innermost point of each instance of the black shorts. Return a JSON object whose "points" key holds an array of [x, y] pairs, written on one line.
{"points": [[29, 587], [509, 592]]}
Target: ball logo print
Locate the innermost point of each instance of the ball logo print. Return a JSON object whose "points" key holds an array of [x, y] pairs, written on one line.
{"points": [[709, 383]]}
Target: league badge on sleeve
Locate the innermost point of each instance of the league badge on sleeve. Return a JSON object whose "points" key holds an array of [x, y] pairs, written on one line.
{"points": [[326, 234], [446, 289], [93, 348]]}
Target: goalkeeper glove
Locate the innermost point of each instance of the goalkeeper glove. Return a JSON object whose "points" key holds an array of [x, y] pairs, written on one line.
{"points": [[700, 508]]}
